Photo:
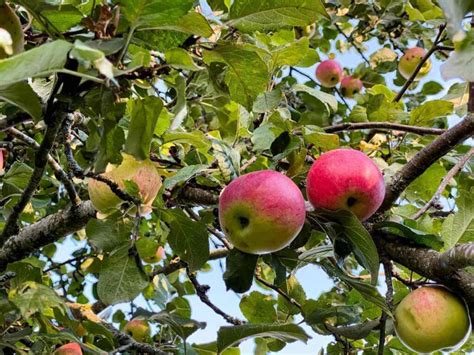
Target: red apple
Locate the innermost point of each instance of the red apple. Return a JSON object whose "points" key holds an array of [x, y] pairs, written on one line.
{"points": [[351, 86], [410, 60], [142, 172], [431, 318], [329, 73], [138, 329], [2, 159], [69, 349], [346, 179], [261, 212]]}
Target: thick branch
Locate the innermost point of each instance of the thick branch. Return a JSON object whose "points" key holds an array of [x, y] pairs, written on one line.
{"points": [[433, 265], [198, 196], [46, 231], [383, 125], [425, 157], [454, 170]]}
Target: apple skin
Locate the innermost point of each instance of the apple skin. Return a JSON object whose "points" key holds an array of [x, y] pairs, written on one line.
{"points": [[329, 73], [350, 86], [69, 349], [159, 255], [346, 179], [431, 318], [142, 172], [138, 329], [2, 159], [410, 60], [261, 212], [10, 22]]}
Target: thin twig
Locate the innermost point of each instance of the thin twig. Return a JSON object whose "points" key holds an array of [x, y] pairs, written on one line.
{"points": [[351, 41], [201, 291], [383, 125], [454, 170], [213, 231], [279, 291]]}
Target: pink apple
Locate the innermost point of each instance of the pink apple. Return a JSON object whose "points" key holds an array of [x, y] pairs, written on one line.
{"points": [[329, 73], [346, 179], [138, 329], [157, 257], [2, 159], [431, 318], [69, 349], [261, 212], [351, 86], [410, 60]]}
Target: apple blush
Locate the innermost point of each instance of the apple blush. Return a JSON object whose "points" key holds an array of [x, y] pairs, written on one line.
{"points": [[346, 179], [351, 86], [329, 73], [261, 212]]}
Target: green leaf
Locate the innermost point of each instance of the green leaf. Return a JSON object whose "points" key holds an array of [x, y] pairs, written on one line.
{"points": [[229, 336], [426, 184], [320, 140], [33, 298], [180, 59], [40, 61], [267, 101], [211, 349], [197, 139], [295, 291], [327, 99], [183, 175], [184, 327], [432, 88], [246, 75], [290, 54], [459, 63], [258, 308], [426, 113], [459, 227], [359, 238], [313, 255], [187, 238], [143, 13], [454, 12], [240, 269], [109, 234], [144, 114], [249, 16], [120, 279], [419, 237], [22, 95], [263, 136]]}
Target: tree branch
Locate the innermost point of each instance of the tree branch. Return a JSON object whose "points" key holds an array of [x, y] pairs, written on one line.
{"points": [[383, 125], [349, 39], [8, 122], [454, 170], [424, 158], [458, 257], [279, 291]]}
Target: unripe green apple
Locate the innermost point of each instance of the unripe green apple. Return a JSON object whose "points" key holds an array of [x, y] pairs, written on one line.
{"points": [[138, 329], [346, 179], [261, 212], [159, 255], [329, 73], [410, 60], [351, 86], [431, 318], [11, 32], [69, 349], [142, 172]]}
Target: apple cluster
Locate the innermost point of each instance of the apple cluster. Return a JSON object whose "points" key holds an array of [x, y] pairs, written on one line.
{"points": [[329, 73], [263, 211]]}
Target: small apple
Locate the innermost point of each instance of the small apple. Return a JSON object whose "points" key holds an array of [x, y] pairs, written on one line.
{"points": [[142, 172], [69, 349], [261, 212], [350, 86], [346, 179], [11, 32], [431, 318], [138, 329], [410, 60], [159, 255], [329, 73], [2, 159]]}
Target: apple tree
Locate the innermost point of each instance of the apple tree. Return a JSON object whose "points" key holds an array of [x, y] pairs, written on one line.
{"points": [[121, 122]]}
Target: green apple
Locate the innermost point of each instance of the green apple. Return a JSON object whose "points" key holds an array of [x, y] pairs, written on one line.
{"points": [[11, 32], [138, 329], [261, 212], [431, 318], [69, 349], [410, 60], [142, 172]]}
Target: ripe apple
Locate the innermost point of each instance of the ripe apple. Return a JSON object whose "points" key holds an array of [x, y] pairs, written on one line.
{"points": [[69, 349], [11, 32], [410, 60], [2, 159], [261, 212], [159, 255], [142, 172], [346, 179], [431, 318], [329, 73], [138, 329], [351, 86]]}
